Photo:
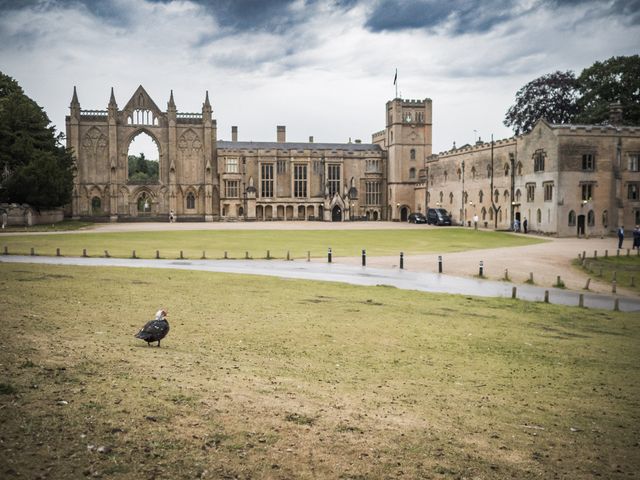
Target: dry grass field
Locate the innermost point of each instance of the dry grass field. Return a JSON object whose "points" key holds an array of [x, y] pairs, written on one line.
{"points": [[270, 378]]}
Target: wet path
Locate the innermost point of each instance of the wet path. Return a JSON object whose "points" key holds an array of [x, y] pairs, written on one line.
{"points": [[356, 275]]}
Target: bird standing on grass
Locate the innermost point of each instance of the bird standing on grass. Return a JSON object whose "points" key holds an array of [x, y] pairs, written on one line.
{"points": [[156, 329]]}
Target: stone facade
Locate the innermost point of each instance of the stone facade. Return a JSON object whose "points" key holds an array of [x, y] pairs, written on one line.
{"points": [[564, 179]]}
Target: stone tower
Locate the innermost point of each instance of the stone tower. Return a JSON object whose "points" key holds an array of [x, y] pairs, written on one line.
{"points": [[408, 143]]}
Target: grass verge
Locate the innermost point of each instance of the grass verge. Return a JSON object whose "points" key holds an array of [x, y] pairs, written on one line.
{"points": [[66, 225], [625, 270], [272, 378]]}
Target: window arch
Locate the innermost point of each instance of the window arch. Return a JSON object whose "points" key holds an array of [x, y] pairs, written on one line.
{"points": [[605, 219], [445, 175], [96, 204], [496, 196], [518, 195], [459, 172], [519, 168], [506, 195], [506, 169], [483, 212], [412, 154], [191, 201], [489, 171], [451, 197], [412, 173], [539, 216], [591, 218], [572, 218], [441, 196], [480, 196]]}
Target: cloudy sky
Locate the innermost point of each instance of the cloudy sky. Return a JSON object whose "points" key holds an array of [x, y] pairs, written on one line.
{"points": [[321, 67]]}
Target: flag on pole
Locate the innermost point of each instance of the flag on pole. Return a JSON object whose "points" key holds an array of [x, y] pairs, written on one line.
{"points": [[395, 78]]}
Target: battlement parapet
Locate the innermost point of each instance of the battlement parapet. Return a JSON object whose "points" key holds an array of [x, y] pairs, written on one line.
{"points": [[93, 113]]}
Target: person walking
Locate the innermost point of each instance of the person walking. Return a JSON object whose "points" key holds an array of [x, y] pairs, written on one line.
{"points": [[620, 236], [636, 237], [525, 224]]}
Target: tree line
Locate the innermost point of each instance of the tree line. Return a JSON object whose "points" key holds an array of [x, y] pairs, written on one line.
{"points": [[35, 167], [563, 97]]}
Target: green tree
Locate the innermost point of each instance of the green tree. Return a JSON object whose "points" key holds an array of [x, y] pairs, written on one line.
{"points": [[35, 168], [603, 83], [552, 97], [141, 169]]}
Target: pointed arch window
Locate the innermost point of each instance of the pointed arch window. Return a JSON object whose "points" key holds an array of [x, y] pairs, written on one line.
{"points": [[191, 201], [412, 154]]}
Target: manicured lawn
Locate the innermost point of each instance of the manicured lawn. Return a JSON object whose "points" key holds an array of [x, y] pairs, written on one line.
{"points": [[278, 242], [270, 378]]}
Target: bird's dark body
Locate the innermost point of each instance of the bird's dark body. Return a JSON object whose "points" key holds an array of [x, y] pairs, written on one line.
{"points": [[154, 331]]}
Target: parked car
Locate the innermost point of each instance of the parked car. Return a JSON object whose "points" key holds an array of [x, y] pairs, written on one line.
{"points": [[417, 218], [438, 216]]}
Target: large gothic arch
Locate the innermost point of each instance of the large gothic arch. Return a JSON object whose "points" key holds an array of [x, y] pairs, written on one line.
{"points": [[186, 145]]}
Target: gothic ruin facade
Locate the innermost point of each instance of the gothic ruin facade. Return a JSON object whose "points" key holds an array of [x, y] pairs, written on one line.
{"points": [[564, 179]]}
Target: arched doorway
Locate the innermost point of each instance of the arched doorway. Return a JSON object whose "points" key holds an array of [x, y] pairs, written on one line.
{"points": [[404, 214], [336, 214], [144, 204]]}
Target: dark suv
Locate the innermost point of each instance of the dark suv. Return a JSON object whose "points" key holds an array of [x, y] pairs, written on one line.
{"points": [[417, 218], [438, 216]]}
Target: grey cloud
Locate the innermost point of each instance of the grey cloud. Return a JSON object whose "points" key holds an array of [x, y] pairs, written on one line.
{"points": [[106, 10], [464, 16]]}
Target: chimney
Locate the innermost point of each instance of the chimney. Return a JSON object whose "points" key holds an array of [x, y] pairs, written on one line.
{"points": [[234, 134], [615, 113], [310, 138], [358, 140], [281, 134]]}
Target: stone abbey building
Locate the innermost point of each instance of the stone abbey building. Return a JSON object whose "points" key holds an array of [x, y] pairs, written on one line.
{"points": [[564, 179]]}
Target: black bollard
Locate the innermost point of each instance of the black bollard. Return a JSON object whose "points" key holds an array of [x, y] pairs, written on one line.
{"points": [[157, 253], [58, 252], [364, 258], [481, 271], [439, 263], [401, 260], [329, 255]]}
